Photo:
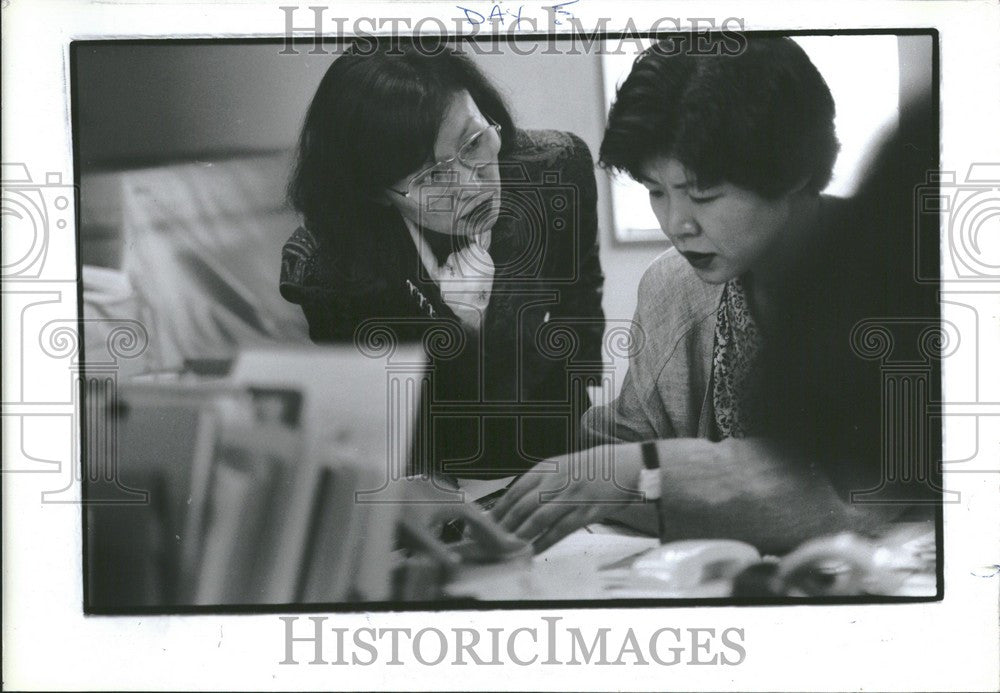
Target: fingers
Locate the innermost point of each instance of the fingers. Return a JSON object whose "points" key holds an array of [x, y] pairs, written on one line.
{"points": [[523, 508], [544, 516], [489, 534], [523, 512], [521, 488], [551, 521], [417, 536], [569, 523]]}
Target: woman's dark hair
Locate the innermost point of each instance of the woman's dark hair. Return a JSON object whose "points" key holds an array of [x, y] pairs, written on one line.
{"points": [[761, 119], [375, 118]]}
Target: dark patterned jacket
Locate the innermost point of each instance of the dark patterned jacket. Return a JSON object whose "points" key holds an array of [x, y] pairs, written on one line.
{"points": [[512, 394]]}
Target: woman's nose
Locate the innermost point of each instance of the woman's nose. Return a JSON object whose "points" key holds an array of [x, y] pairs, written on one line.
{"points": [[467, 176], [483, 173], [682, 224], [476, 173]]}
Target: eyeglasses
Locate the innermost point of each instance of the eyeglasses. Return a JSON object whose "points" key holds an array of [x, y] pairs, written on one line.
{"points": [[475, 152]]}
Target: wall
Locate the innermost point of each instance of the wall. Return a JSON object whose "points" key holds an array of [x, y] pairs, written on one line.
{"points": [[180, 100]]}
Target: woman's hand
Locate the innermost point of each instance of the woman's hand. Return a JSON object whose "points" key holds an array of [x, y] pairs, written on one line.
{"points": [[565, 493], [466, 281], [429, 507]]}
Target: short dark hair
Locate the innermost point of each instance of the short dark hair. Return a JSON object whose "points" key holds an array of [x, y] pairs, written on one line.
{"points": [[761, 119], [375, 118]]}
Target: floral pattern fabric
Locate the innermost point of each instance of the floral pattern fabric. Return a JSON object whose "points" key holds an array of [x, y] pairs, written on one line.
{"points": [[737, 343]]}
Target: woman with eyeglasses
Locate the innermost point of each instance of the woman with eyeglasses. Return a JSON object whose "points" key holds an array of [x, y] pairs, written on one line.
{"points": [[429, 214], [759, 408]]}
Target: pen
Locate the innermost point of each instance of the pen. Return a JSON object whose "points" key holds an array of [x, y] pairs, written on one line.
{"points": [[649, 483]]}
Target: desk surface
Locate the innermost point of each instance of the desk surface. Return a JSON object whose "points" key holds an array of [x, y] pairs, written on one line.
{"points": [[586, 566]]}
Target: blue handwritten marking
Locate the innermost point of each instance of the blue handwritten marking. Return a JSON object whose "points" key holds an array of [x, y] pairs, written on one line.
{"points": [[497, 14], [468, 15], [517, 17], [557, 10]]}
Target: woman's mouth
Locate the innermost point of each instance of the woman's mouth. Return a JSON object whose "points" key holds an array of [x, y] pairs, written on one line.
{"points": [[698, 260]]}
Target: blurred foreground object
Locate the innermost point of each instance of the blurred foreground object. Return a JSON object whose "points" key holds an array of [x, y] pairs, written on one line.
{"points": [[899, 562]]}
